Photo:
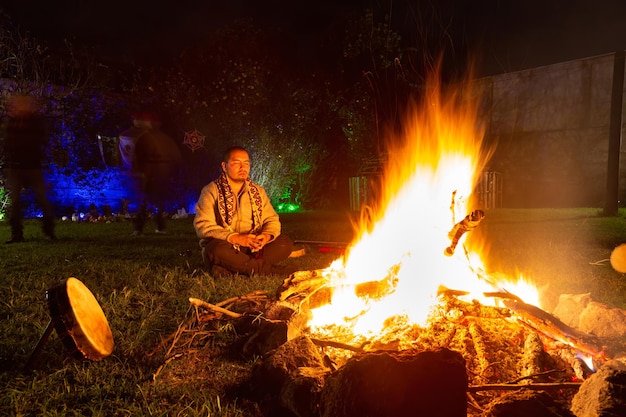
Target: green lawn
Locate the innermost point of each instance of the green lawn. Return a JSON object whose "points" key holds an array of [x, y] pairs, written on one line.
{"points": [[143, 285]]}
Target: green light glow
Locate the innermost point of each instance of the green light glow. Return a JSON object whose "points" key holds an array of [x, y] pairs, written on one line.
{"points": [[287, 208]]}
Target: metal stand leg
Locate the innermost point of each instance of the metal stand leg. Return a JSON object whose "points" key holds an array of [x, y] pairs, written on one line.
{"points": [[42, 341]]}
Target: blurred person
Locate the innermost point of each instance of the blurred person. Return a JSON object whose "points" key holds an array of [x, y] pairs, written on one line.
{"points": [[25, 138], [239, 230], [153, 158]]}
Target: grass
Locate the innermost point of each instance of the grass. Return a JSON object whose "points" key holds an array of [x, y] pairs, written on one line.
{"points": [[143, 285]]}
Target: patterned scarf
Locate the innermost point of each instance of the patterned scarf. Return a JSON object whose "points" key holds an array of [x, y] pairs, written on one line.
{"points": [[226, 202]]}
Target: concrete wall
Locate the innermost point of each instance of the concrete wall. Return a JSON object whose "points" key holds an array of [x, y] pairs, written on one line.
{"points": [[551, 129]]}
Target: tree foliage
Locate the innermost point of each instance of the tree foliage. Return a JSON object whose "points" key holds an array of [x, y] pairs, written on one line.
{"points": [[309, 118]]}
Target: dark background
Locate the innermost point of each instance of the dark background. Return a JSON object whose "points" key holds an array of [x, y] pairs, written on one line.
{"points": [[502, 35]]}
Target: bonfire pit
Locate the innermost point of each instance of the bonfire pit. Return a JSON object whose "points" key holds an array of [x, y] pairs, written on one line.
{"points": [[470, 360], [466, 347], [409, 322]]}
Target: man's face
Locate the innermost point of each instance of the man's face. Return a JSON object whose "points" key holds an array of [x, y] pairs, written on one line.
{"points": [[238, 166]]}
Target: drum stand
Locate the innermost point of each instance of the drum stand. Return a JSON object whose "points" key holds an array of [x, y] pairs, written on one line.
{"points": [[42, 342]]}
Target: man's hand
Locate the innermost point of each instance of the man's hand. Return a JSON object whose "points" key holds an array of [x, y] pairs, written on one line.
{"points": [[254, 242], [261, 240]]}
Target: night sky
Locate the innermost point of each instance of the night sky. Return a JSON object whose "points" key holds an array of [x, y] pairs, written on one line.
{"points": [[507, 34], [143, 28]]}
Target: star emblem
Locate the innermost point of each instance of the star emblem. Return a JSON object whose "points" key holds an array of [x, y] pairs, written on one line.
{"points": [[194, 140]]}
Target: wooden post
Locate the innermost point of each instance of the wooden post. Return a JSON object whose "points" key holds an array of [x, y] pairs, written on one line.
{"points": [[615, 136]]}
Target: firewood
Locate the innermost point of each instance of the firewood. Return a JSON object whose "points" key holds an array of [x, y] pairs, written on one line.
{"points": [[551, 327], [580, 369], [338, 345], [531, 362], [479, 347], [168, 360], [377, 289], [511, 387], [538, 374], [199, 303], [303, 287], [302, 276], [247, 297], [174, 335]]}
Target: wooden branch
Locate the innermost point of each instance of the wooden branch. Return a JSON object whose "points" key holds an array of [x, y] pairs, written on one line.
{"points": [[199, 303], [247, 297], [168, 360], [553, 371], [187, 323], [471, 401], [513, 387], [338, 345]]}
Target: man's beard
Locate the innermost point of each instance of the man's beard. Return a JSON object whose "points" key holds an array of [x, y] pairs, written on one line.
{"points": [[240, 177]]}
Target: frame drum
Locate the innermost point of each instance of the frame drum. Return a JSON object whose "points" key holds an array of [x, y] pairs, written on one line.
{"points": [[79, 320]]}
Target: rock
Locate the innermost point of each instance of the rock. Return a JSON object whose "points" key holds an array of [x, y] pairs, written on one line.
{"points": [[602, 320], [526, 403], [581, 312], [570, 306], [398, 384], [604, 393], [288, 381]]}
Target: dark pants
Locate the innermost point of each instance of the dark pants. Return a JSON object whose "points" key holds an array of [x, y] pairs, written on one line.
{"points": [[139, 221], [18, 179], [155, 189], [218, 252]]}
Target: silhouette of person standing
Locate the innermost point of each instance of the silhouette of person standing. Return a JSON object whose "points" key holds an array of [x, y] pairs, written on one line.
{"points": [[154, 158], [24, 151]]}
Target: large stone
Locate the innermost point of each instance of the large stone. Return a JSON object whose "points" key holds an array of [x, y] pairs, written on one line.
{"points": [[526, 403], [570, 306], [581, 312], [288, 380], [602, 320], [404, 384], [604, 393]]}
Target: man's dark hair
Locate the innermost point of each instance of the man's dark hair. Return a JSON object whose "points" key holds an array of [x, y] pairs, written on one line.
{"points": [[230, 150]]}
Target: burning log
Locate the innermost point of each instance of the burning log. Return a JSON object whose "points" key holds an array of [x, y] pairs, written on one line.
{"points": [[573, 360], [315, 288], [553, 328], [479, 347], [377, 289], [305, 284], [470, 222], [532, 361]]}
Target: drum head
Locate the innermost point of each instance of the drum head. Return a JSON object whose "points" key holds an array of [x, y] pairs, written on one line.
{"points": [[77, 314]]}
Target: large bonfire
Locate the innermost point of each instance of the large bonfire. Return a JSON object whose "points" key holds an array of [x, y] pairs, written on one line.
{"points": [[413, 242]]}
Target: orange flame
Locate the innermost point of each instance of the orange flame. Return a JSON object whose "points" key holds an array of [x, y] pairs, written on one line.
{"points": [[427, 188]]}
